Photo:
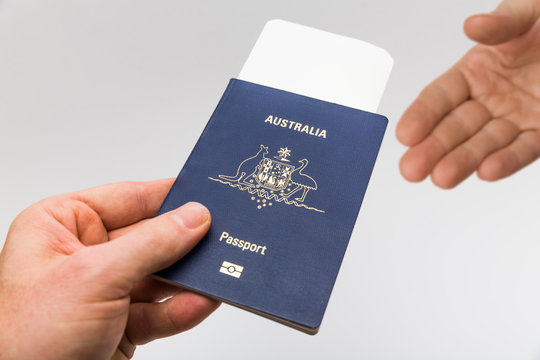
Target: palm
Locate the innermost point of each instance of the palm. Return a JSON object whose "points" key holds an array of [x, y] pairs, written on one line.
{"points": [[482, 115], [506, 79]]}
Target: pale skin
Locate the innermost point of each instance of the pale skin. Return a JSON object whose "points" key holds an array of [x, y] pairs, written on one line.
{"points": [[74, 273], [483, 114]]}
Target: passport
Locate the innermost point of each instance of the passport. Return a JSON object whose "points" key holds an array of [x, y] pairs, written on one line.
{"points": [[283, 165], [283, 176]]}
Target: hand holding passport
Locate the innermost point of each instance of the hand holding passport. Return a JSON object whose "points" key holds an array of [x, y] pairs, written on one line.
{"points": [[282, 165], [74, 272]]}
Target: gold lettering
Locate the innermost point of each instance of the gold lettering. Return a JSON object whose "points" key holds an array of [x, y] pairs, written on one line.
{"points": [[242, 244], [224, 235], [296, 126]]}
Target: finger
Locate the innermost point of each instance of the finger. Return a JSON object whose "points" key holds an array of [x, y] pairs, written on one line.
{"points": [[152, 290], [125, 203], [509, 20], [520, 153], [68, 219], [121, 231], [454, 129], [434, 102], [117, 265], [159, 242], [148, 289], [464, 160], [149, 321]]}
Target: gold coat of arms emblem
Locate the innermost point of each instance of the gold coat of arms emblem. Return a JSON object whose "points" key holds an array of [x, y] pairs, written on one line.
{"points": [[272, 179]]}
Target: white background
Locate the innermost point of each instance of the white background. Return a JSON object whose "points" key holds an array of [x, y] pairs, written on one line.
{"points": [[95, 92]]}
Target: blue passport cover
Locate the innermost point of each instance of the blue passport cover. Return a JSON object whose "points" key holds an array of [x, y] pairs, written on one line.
{"points": [[283, 176]]}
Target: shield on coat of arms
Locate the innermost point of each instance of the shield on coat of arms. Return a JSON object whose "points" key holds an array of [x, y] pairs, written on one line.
{"points": [[273, 174]]}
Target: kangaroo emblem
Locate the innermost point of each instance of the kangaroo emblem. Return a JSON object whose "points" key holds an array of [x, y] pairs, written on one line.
{"points": [[247, 166], [271, 181]]}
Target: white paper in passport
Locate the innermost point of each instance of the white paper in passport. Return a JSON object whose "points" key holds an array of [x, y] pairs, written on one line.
{"points": [[319, 64]]}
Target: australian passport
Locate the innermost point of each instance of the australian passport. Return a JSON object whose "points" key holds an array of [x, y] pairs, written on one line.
{"points": [[283, 175]]}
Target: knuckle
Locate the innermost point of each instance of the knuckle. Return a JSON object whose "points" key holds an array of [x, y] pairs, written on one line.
{"points": [[141, 199], [167, 234], [28, 218], [174, 227]]}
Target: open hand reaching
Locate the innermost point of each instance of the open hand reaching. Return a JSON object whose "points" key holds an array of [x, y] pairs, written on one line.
{"points": [[483, 114]]}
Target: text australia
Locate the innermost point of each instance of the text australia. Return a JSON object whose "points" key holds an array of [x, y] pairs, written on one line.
{"points": [[296, 126]]}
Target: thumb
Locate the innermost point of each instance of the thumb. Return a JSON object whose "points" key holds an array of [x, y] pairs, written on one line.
{"points": [[509, 20], [150, 246]]}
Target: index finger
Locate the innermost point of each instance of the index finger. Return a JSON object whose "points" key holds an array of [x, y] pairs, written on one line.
{"points": [[125, 203], [438, 98]]}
